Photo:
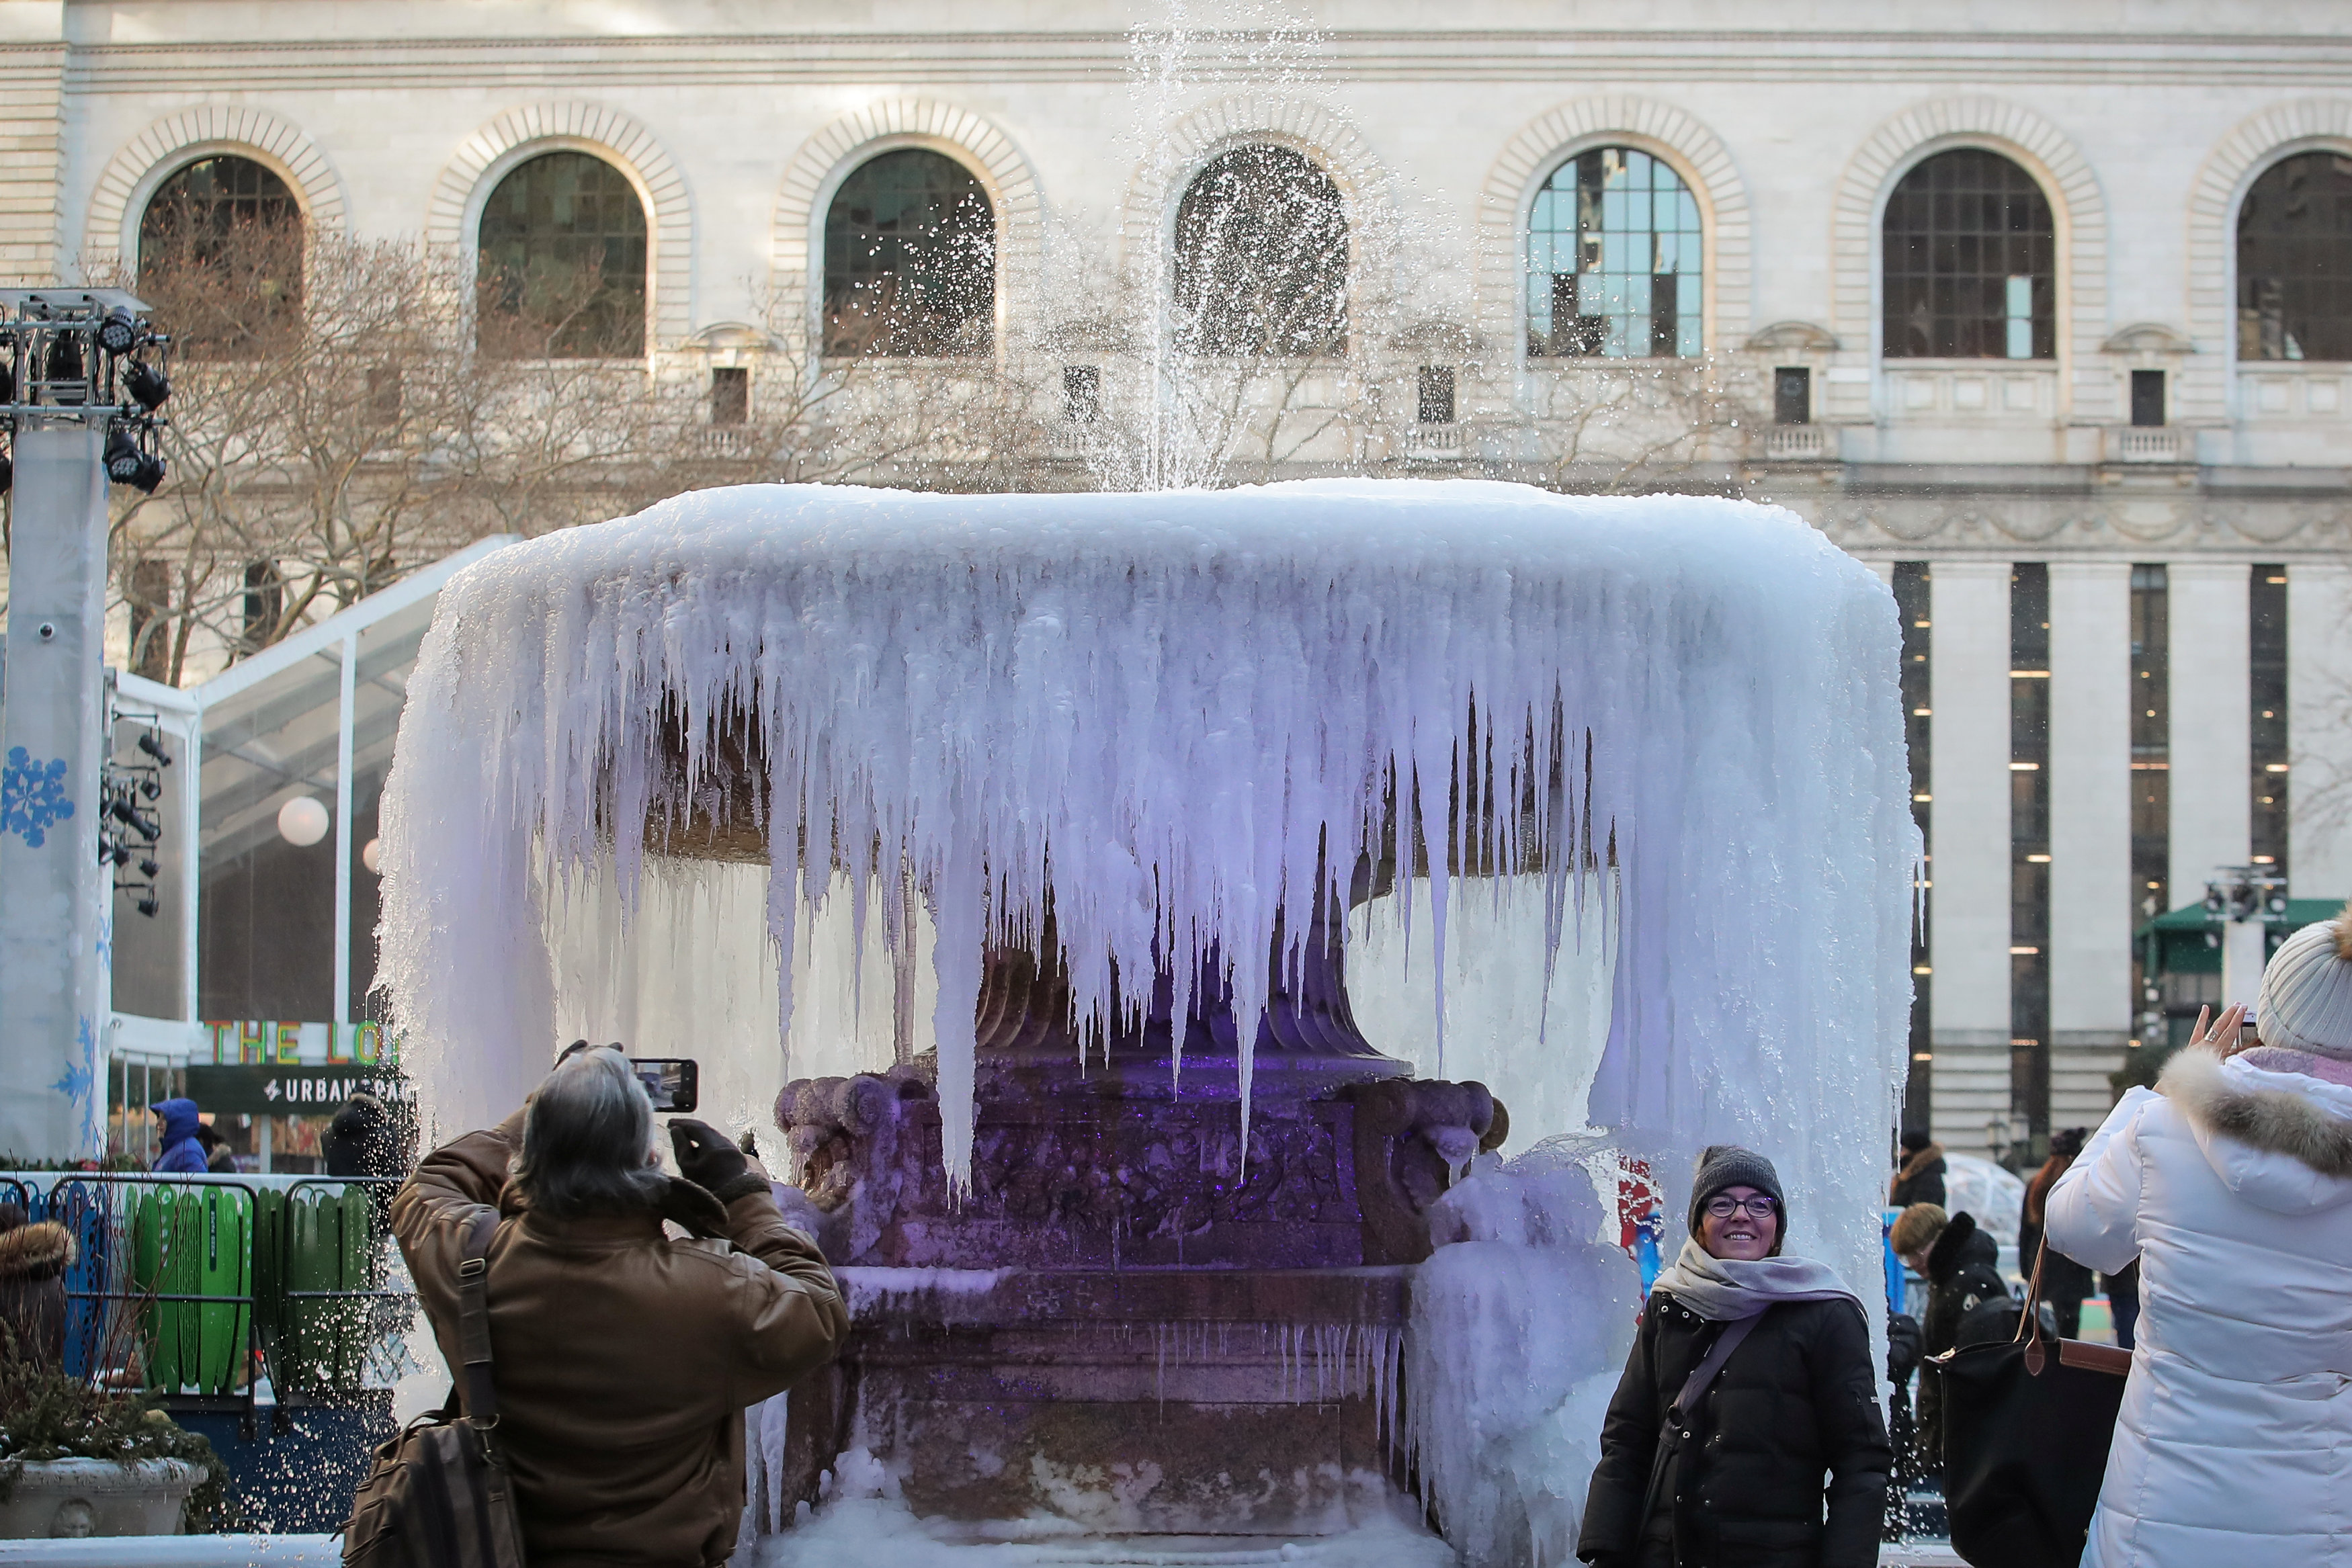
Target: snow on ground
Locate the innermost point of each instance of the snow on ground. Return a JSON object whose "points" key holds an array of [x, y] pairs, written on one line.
{"points": [[863, 1520]]}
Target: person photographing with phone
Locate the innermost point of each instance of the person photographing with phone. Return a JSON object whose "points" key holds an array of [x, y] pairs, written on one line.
{"points": [[622, 1358]]}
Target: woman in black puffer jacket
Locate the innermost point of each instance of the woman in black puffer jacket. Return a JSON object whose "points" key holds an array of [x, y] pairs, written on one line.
{"points": [[1792, 1420]]}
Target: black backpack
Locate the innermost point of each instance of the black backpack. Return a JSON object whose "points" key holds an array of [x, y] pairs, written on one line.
{"points": [[438, 1495]]}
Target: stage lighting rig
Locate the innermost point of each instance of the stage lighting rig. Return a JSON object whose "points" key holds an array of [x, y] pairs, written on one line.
{"points": [[86, 355], [128, 837]]}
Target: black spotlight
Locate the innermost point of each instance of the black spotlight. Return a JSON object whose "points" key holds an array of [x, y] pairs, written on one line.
{"points": [[128, 815], [151, 788], [149, 870], [117, 330], [154, 749], [126, 465], [149, 906], [148, 385], [64, 364]]}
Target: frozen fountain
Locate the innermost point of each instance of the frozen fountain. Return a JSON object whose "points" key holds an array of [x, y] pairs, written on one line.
{"points": [[1134, 1241]]}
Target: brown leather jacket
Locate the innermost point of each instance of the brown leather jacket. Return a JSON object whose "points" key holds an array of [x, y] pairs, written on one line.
{"points": [[623, 1360]]}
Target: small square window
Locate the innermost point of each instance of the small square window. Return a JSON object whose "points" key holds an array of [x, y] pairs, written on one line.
{"points": [[384, 391], [2147, 398], [1082, 393], [1437, 394], [1792, 396], [730, 395]]}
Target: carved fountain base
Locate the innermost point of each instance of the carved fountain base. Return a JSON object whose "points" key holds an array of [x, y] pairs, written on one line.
{"points": [[1123, 1325]]}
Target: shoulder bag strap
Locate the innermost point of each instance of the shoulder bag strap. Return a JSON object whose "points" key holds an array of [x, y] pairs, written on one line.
{"points": [[474, 1321], [1695, 1386], [2029, 1322]]}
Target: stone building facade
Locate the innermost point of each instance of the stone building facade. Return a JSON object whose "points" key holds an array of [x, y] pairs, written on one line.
{"points": [[2097, 442]]}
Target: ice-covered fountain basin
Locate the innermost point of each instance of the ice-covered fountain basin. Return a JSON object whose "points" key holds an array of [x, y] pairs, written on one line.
{"points": [[1163, 712]]}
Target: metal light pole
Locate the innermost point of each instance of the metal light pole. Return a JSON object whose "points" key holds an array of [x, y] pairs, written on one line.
{"points": [[2241, 900], [79, 365]]}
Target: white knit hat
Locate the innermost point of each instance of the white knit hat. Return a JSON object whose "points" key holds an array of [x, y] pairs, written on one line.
{"points": [[2306, 998]]}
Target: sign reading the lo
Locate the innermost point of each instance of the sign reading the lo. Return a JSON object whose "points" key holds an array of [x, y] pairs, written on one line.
{"points": [[282, 1043]]}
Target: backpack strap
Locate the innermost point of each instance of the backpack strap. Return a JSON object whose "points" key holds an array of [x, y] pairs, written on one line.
{"points": [[1675, 1428], [474, 1321]]}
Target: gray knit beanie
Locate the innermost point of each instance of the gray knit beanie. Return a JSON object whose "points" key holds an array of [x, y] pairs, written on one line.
{"points": [[2305, 1002], [1722, 1166]]}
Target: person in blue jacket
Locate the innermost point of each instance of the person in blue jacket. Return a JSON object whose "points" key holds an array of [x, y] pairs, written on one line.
{"points": [[182, 1151]]}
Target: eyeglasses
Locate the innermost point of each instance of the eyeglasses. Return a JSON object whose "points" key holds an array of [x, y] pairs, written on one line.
{"points": [[1757, 1208]]}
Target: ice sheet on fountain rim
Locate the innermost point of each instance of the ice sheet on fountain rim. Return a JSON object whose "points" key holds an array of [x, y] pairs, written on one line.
{"points": [[1178, 691], [870, 1288]]}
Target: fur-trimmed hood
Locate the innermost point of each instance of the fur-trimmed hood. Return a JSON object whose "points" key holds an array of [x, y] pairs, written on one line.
{"points": [[38, 1251], [1961, 1242], [2281, 1140]]}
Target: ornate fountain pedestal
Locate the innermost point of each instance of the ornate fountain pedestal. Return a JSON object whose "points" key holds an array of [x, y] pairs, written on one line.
{"points": [[1126, 1323]]}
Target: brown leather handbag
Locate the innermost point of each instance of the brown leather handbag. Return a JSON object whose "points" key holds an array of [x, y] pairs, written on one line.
{"points": [[2027, 1423]]}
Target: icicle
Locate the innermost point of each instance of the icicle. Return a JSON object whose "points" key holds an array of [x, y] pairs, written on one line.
{"points": [[784, 902], [958, 889]]}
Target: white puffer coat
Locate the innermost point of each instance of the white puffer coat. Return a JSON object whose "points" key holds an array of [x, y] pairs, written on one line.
{"points": [[2233, 1186]]}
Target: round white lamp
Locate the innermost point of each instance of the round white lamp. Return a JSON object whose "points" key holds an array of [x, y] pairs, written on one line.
{"points": [[302, 822], [371, 856]]}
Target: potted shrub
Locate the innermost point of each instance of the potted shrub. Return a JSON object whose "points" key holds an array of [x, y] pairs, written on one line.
{"points": [[77, 1456]]}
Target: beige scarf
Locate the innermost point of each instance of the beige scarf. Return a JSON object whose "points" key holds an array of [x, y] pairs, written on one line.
{"points": [[1722, 1289]]}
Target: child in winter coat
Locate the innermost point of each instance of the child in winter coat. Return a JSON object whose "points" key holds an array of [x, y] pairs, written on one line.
{"points": [[1968, 1302]]}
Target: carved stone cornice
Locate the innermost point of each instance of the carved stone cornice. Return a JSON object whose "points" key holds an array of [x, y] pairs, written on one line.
{"points": [[2184, 519]]}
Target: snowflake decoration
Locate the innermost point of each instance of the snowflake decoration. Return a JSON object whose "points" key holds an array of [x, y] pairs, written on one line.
{"points": [[74, 1082], [32, 796]]}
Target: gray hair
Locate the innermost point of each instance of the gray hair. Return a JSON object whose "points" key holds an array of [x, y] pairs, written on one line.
{"points": [[586, 1141]]}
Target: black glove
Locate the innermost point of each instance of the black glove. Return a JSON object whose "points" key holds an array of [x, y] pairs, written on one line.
{"points": [[1905, 1345], [709, 1159]]}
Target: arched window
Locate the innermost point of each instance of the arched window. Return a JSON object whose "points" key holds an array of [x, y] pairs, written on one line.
{"points": [[2294, 261], [220, 257], [1613, 259], [562, 273], [1972, 262], [911, 259], [1262, 257]]}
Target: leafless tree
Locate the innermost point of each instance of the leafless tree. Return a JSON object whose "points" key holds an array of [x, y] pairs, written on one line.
{"points": [[1615, 426], [347, 410]]}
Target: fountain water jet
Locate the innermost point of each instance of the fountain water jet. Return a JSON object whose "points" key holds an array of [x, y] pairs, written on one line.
{"points": [[1118, 736]]}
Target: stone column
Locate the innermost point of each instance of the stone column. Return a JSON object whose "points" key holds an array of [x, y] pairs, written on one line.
{"points": [[55, 911], [1969, 911], [2091, 901], [2319, 730], [2212, 803]]}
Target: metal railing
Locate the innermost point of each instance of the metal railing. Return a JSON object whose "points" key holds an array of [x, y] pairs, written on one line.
{"points": [[317, 1319]]}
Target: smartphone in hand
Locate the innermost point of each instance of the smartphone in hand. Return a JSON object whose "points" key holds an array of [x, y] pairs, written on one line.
{"points": [[671, 1082]]}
